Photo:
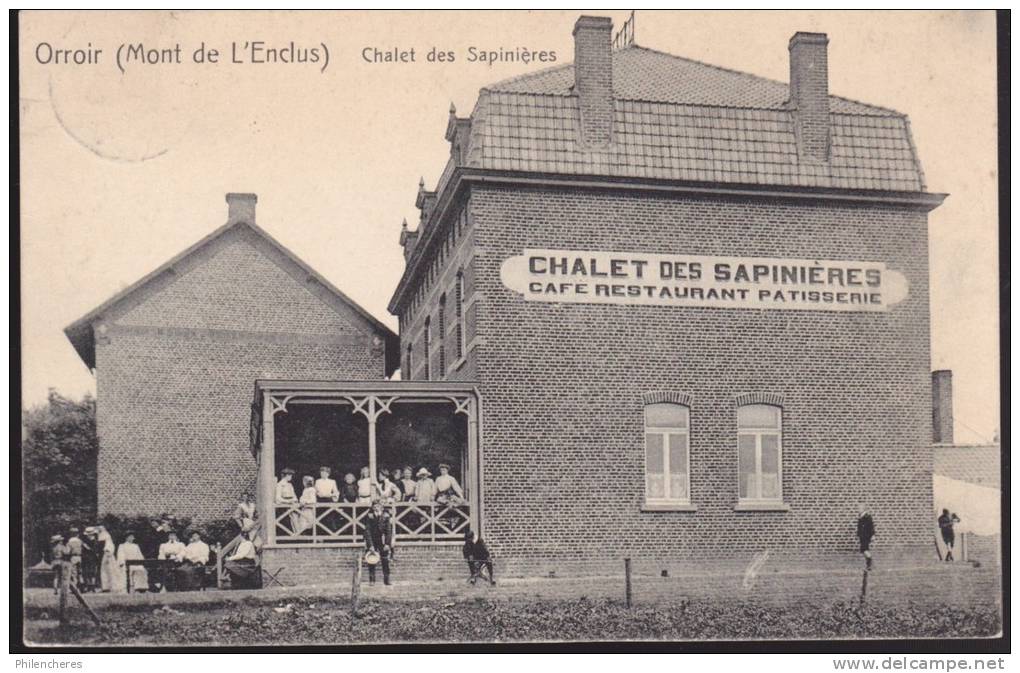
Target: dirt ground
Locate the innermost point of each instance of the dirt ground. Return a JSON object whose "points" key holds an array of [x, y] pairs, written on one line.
{"points": [[937, 601]]}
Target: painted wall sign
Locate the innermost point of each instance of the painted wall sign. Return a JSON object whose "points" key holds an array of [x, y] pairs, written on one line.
{"points": [[589, 277]]}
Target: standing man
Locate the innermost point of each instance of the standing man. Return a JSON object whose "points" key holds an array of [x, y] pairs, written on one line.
{"points": [[865, 531], [90, 560], [58, 553], [75, 547], [477, 556], [946, 522], [379, 539]]}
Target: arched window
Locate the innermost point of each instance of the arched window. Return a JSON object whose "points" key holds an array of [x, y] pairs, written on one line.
{"points": [[760, 452], [410, 374], [667, 453], [442, 336], [428, 346], [460, 315]]}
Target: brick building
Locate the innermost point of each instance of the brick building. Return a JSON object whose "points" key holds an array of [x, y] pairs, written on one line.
{"points": [[176, 355], [694, 303], [653, 308]]}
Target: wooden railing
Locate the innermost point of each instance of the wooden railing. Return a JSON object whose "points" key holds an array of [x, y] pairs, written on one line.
{"points": [[331, 523]]}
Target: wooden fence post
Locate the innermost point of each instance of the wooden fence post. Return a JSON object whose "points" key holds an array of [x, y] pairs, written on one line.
{"points": [[356, 585], [626, 572], [63, 592]]}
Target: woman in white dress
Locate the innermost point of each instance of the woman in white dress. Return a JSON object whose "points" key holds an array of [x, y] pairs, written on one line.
{"points": [[129, 551], [109, 577], [285, 496], [308, 500]]}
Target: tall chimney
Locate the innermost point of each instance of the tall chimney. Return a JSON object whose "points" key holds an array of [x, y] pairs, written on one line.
{"points": [[241, 208], [942, 406], [593, 78], [809, 94]]}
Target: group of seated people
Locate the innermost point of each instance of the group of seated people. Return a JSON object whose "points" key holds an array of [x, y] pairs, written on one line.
{"points": [[96, 563], [390, 487]]}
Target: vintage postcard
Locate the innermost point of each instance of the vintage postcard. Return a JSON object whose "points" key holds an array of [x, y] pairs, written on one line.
{"points": [[508, 327]]}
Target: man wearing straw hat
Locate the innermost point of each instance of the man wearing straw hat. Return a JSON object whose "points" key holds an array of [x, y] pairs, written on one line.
{"points": [[75, 546], [58, 550]]}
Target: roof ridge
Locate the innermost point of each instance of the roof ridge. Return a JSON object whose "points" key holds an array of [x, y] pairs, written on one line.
{"points": [[501, 85], [82, 326], [751, 75]]}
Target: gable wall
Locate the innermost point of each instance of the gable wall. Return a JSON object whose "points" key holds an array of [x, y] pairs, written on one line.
{"points": [[176, 372]]}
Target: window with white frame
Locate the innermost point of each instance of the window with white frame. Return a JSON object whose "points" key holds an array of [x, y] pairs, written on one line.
{"points": [[760, 449], [667, 453]]}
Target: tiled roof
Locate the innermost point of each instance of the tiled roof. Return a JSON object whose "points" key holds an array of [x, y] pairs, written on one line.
{"points": [[644, 74], [683, 120], [973, 464], [538, 132]]}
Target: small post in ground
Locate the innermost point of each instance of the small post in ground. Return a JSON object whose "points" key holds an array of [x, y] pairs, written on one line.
{"points": [[626, 573], [64, 576], [864, 586], [356, 585]]}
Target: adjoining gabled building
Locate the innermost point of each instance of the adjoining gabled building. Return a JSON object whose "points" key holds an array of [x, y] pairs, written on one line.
{"points": [[176, 356], [966, 480], [694, 303]]}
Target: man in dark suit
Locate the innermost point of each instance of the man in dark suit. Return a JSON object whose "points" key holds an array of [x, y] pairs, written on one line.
{"points": [[379, 539], [477, 556], [865, 531]]}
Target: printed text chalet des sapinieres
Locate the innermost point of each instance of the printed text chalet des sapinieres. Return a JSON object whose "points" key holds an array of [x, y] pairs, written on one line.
{"points": [[129, 55]]}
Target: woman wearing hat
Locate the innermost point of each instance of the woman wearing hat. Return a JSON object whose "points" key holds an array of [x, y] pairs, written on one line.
{"points": [[325, 488], [365, 487], [388, 491], [109, 578], [448, 490], [245, 510], [285, 496], [307, 519], [129, 551], [425, 489]]}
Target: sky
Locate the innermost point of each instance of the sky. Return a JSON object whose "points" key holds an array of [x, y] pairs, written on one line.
{"points": [[122, 170]]}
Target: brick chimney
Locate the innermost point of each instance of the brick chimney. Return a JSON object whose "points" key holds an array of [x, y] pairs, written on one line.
{"points": [[809, 94], [241, 208], [593, 78], [942, 406]]}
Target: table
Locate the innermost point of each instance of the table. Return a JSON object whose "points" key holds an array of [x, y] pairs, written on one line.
{"points": [[162, 567]]}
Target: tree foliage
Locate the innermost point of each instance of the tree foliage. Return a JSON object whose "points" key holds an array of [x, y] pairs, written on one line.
{"points": [[59, 454]]}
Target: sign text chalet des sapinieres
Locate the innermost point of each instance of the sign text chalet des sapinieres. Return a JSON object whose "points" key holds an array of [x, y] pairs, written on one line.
{"points": [[598, 277]]}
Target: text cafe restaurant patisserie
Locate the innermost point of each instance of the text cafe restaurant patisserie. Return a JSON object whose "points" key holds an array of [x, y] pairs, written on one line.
{"points": [[652, 309]]}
